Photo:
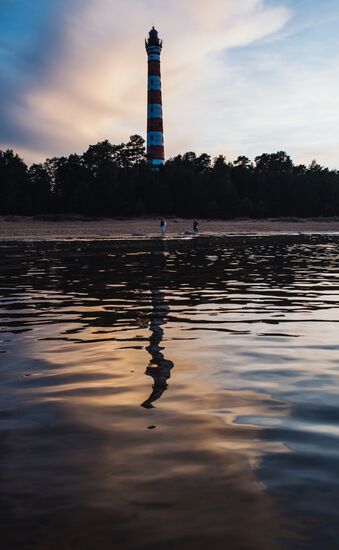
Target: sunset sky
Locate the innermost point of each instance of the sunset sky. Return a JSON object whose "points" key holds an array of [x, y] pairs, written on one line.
{"points": [[239, 76]]}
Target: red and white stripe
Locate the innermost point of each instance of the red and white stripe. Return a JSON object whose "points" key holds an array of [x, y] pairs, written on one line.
{"points": [[155, 132]]}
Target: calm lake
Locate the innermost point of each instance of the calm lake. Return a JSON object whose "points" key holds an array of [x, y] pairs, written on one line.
{"points": [[170, 395]]}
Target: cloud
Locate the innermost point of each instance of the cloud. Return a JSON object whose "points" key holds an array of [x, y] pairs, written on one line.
{"points": [[83, 76], [238, 77], [281, 97]]}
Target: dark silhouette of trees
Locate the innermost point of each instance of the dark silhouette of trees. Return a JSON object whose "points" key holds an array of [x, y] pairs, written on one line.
{"points": [[13, 184], [39, 189], [115, 180]]}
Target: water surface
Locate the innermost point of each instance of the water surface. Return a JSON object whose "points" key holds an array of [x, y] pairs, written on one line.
{"points": [[170, 394]]}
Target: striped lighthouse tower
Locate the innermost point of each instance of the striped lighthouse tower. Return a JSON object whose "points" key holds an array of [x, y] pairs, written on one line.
{"points": [[155, 132]]}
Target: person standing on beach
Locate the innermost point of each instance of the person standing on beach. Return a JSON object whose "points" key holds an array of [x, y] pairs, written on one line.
{"points": [[163, 227], [195, 227]]}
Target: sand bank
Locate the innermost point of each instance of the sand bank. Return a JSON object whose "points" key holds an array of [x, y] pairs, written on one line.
{"points": [[18, 228]]}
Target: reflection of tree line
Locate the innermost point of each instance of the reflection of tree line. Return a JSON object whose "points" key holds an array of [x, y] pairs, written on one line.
{"points": [[111, 275], [88, 267]]}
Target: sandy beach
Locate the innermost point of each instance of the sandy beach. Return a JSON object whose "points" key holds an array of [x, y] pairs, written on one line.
{"points": [[17, 228]]}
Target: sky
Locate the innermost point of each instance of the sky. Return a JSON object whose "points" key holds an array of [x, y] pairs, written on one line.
{"points": [[239, 77]]}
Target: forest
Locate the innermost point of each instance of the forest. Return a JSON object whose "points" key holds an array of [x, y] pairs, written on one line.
{"points": [[115, 180]]}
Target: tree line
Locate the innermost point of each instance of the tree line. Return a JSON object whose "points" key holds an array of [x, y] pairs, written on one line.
{"points": [[115, 180]]}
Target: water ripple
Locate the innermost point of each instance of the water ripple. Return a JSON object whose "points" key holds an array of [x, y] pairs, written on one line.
{"points": [[188, 385]]}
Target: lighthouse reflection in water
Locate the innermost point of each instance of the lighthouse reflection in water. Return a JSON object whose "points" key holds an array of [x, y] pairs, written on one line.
{"points": [[159, 368]]}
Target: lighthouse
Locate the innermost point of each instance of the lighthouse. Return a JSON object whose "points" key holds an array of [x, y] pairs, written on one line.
{"points": [[155, 131]]}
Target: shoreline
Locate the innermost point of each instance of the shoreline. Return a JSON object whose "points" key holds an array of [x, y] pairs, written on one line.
{"points": [[30, 228]]}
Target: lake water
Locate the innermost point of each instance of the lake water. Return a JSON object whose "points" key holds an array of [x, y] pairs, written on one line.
{"points": [[170, 395]]}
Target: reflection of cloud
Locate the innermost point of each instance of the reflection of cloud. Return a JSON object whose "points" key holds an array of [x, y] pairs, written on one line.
{"points": [[83, 76], [194, 476]]}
